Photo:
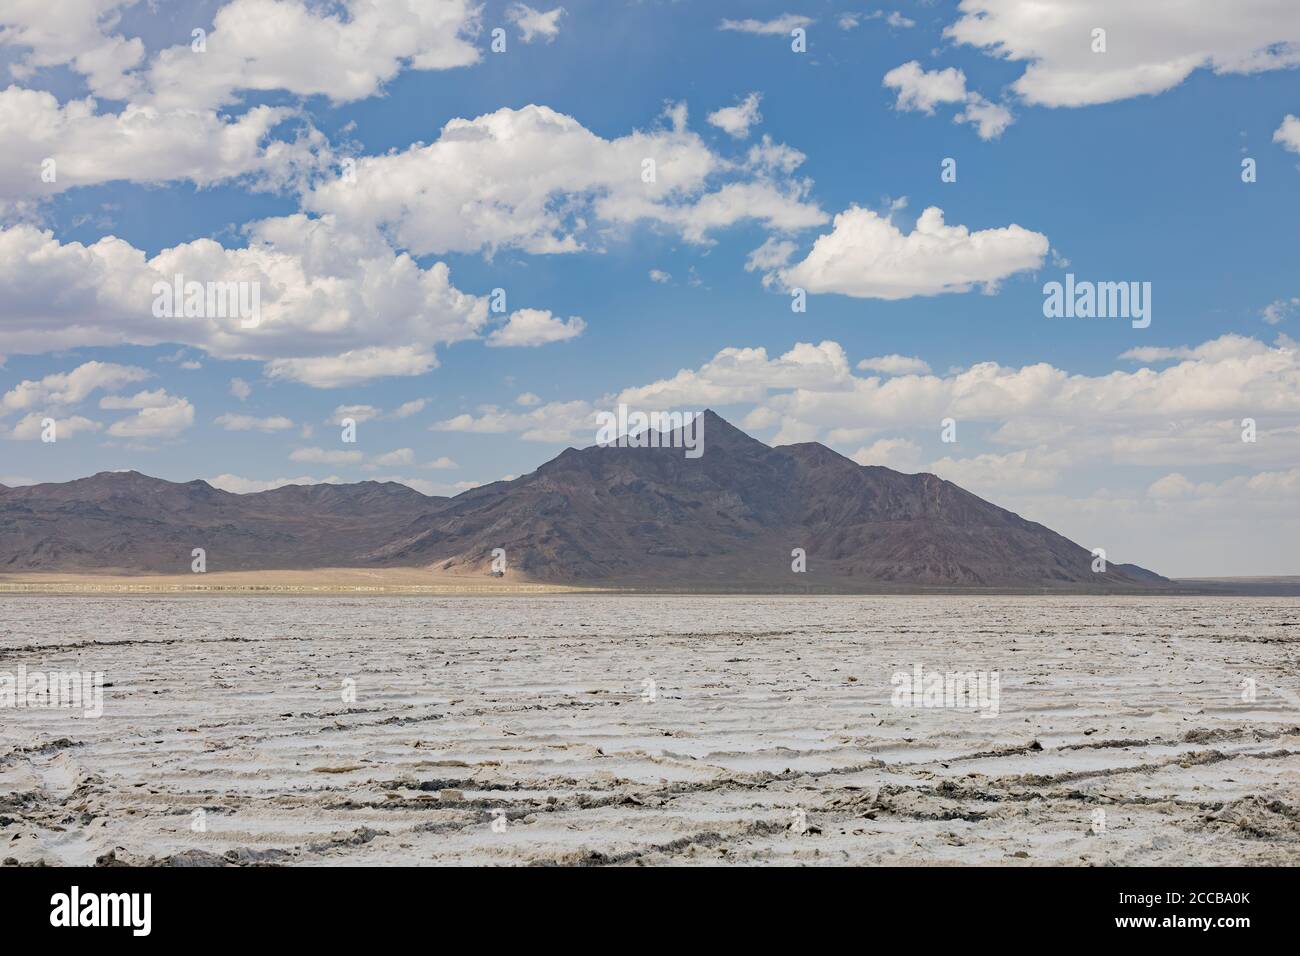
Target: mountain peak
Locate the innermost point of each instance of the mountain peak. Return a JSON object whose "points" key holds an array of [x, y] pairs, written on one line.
{"points": [[635, 516]]}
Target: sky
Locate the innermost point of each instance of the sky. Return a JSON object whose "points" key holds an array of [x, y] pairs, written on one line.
{"points": [[472, 227]]}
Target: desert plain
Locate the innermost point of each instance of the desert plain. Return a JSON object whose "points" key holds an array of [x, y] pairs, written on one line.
{"points": [[534, 729]]}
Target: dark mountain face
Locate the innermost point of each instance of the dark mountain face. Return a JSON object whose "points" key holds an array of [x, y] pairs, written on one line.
{"points": [[126, 521], [611, 516], [651, 516]]}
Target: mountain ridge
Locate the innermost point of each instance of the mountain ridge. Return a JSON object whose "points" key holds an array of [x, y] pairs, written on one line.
{"points": [[625, 516]]}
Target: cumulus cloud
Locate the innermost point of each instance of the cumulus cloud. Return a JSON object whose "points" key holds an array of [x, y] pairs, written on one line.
{"points": [[358, 413], [1191, 411], [155, 399], [141, 144], [533, 327], [895, 364], [537, 180], [247, 486], [552, 422], [324, 456], [337, 307], [533, 24], [354, 366], [736, 120], [1280, 309], [778, 26], [30, 427], [246, 423], [69, 388], [899, 454], [407, 409], [745, 375], [866, 256], [76, 34], [1224, 347], [922, 90], [1288, 134], [392, 459], [160, 416], [1151, 46], [993, 475], [263, 45]]}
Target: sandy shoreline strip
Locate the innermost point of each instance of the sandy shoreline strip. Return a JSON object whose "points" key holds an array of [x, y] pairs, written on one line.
{"points": [[424, 581], [389, 581]]}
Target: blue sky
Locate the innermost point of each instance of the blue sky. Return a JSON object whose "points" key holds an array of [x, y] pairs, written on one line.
{"points": [[1117, 165]]}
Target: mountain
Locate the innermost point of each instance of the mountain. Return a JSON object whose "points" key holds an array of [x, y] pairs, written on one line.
{"points": [[648, 517], [126, 521]]}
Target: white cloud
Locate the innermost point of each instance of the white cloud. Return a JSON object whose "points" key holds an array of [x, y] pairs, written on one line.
{"points": [[537, 180], [899, 454], [30, 427], [658, 275], [849, 21], [245, 423], [354, 366], [922, 90], [262, 45], [323, 456], [155, 399], [1288, 134], [247, 486], [866, 256], [770, 257], [441, 463], [552, 422], [993, 475], [160, 418], [745, 375], [141, 144], [1151, 46], [736, 120], [240, 389], [781, 25], [1225, 347], [533, 327], [533, 23], [336, 306], [358, 413], [73, 33], [1190, 412], [989, 119], [1279, 309], [407, 409], [392, 459], [528, 399], [895, 364], [69, 388]]}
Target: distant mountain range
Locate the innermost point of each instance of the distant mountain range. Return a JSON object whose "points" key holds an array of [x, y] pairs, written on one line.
{"points": [[637, 517]]}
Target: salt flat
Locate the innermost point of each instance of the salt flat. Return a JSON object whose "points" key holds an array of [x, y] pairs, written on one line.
{"points": [[651, 730]]}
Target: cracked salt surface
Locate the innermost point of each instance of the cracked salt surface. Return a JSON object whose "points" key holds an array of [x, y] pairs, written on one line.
{"points": [[761, 707]]}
